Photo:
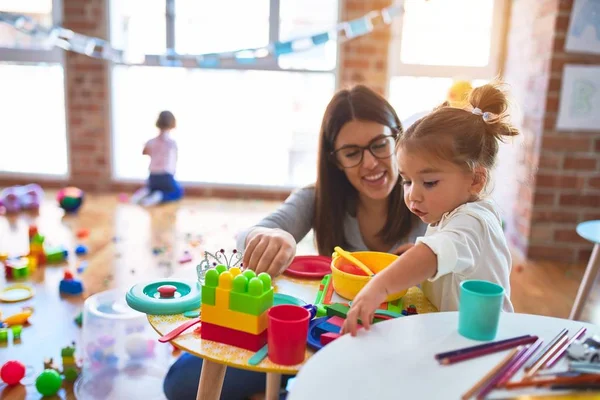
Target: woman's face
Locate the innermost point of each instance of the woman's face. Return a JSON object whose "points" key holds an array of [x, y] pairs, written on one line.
{"points": [[373, 176]]}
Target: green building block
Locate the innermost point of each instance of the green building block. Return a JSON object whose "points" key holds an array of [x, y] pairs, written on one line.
{"points": [[16, 331], [55, 254], [251, 294], [337, 309], [20, 272], [208, 295], [3, 334]]}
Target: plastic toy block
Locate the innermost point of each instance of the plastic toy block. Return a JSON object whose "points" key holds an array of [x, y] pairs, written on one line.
{"points": [[233, 337], [326, 327], [208, 295], [3, 334], [222, 298], [387, 313], [56, 254], [16, 331], [337, 321], [328, 337], [338, 310], [71, 286], [251, 294], [396, 306], [233, 319]]}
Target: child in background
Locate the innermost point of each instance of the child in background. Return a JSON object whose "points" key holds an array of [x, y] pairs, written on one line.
{"points": [[162, 186], [445, 159]]}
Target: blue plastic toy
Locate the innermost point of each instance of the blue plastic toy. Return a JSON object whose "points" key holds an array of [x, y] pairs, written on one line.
{"points": [[71, 286], [164, 297], [81, 250]]}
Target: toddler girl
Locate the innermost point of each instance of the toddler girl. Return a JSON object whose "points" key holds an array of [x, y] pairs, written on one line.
{"points": [[445, 159]]}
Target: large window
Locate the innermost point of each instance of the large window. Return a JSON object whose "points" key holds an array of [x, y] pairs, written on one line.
{"points": [[239, 123], [32, 82], [438, 41]]}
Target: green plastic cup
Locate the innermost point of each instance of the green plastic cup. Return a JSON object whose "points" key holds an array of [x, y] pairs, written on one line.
{"points": [[479, 309]]}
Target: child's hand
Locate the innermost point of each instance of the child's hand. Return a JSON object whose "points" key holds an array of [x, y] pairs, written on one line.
{"points": [[363, 307]]}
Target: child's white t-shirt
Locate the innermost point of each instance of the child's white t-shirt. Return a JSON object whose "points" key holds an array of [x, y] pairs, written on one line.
{"points": [[469, 244], [163, 154]]}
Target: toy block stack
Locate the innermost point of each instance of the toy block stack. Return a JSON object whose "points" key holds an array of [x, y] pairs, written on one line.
{"points": [[234, 307]]}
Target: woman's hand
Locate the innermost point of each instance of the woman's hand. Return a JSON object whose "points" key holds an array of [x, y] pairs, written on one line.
{"points": [[269, 250], [403, 248], [364, 306]]}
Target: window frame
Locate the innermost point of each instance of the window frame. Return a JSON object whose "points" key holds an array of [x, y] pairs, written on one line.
{"points": [[398, 68], [53, 55], [268, 63]]}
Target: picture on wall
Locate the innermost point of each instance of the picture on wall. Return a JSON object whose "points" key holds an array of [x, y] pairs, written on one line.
{"points": [[583, 35], [579, 107]]}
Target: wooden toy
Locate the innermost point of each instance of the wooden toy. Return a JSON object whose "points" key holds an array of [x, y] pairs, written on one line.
{"points": [[328, 337], [234, 307]]}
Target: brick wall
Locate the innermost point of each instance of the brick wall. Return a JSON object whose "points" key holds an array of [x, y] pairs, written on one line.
{"points": [[87, 99], [364, 60], [558, 182]]}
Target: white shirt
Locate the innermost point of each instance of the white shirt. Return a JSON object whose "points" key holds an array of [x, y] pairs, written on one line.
{"points": [[163, 154], [469, 244]]}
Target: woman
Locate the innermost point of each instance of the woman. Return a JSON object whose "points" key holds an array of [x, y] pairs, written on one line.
{"points": [[356, 203]]}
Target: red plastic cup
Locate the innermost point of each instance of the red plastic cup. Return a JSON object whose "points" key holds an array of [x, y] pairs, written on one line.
{"points": [[287, 334]]}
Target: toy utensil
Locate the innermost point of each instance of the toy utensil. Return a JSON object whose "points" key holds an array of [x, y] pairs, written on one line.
{"points": [[178, 331], [353, 260]]}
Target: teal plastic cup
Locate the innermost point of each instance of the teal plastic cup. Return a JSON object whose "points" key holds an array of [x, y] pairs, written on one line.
{"points": [[479, 309]]}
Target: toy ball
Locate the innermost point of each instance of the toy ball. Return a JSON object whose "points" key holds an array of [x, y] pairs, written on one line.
{"points": [[70, 199], [12, 372], [48, 383]]}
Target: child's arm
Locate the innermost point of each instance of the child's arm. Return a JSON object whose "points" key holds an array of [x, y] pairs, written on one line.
{"points": [[146, 151], [411, 268]]}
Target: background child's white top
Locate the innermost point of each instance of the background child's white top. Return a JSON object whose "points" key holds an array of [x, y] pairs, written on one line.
{"points": [[469, 244], [163, 154]]}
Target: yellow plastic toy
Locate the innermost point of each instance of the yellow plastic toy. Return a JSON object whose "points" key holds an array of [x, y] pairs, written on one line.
{"points": [[19, 318], [348, 285]]}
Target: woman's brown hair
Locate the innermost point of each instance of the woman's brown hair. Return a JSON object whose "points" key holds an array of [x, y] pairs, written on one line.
{"points": [[166, 120], [334, 194], [467, 137]]}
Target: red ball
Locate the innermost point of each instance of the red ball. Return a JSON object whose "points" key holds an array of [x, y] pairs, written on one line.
{"points": [[12, 372]]}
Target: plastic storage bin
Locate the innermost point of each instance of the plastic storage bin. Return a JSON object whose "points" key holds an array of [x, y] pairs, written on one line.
{"points": [[122, 358]]}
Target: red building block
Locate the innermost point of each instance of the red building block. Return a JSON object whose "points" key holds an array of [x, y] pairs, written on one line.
{"points": [[328, 337], [232, 337]]}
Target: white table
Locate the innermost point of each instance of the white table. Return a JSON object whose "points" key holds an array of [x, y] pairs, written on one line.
{"points": [[396, 358]]}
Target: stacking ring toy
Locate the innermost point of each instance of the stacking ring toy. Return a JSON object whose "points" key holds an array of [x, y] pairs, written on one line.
{"points": [[164, 297]]}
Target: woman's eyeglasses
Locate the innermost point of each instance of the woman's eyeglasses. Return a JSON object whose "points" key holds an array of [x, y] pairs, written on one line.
{"points": [[350, 156]]}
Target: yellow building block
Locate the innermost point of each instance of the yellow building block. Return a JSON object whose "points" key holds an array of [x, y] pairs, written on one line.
{"points": [[68, 360], [222, 298], [218, 315]]}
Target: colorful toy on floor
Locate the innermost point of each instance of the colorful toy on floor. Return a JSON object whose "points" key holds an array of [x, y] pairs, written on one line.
{"points": [[41, 254], [69, 285], [12, 372], [158, 297], [70, 369], [234, 307], [48, 383], [81, 250], [17, 268], [70, 199], [21, 318], [20, 198]]}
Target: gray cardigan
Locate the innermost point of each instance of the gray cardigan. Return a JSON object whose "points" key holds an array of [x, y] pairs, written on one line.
{"points": [[295, 216]]}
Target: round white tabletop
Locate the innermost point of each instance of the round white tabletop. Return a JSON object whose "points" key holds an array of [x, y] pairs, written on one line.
{"points": [[395, 359]]}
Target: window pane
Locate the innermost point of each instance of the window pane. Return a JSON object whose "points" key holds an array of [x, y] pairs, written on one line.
{"points": [[298, 19], [217, 26], [139, 27], [233, 127], [35, 145], [413, 97], [38, 10], [442, 32]]}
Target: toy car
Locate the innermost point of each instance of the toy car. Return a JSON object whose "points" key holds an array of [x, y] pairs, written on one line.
{"points": [[587, 350]]}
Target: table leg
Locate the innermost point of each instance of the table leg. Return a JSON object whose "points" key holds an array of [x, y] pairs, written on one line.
{"points": [[273, 386], [211, 380], [591, 271]]}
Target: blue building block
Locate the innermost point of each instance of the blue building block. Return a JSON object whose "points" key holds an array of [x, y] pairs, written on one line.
{"points": [[81, 250], [71, 286]]}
